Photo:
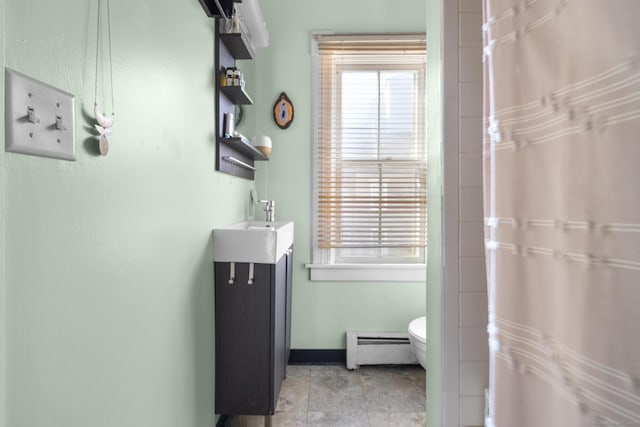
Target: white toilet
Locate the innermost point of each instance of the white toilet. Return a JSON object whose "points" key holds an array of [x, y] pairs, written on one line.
{"points": [[418, 339]]}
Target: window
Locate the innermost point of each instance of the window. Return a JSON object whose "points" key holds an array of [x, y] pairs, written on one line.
{"points": [[370, 157]]}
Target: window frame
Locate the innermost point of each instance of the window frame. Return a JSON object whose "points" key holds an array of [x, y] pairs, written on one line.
{"points": [[327, 264]]}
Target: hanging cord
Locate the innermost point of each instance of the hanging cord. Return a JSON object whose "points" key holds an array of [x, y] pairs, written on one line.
{"points": [[110, 60], [98, 34], [95, 93], [104, 123]]}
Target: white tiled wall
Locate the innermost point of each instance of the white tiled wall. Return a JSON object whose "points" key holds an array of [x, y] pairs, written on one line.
{"points": [[466, 369], [473, 308], [472, 274]]}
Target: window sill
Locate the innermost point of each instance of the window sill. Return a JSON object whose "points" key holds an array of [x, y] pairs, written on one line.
{"points": [[368, 273]]}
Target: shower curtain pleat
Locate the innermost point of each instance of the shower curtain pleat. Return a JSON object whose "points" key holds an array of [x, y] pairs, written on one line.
{"points": [[562, 211]]}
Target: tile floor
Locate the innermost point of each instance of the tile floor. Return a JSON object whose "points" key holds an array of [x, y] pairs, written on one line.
{"points": [[332, 396]]}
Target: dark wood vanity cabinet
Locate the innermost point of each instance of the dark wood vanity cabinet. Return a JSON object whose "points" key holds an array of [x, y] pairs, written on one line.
{"points": [[253, 335]]}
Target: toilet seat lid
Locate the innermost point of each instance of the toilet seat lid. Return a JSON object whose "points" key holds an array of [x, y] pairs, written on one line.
{"points": [[418, 328]]}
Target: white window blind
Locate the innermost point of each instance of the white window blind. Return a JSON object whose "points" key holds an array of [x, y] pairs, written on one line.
{"points": [[370, 147]]}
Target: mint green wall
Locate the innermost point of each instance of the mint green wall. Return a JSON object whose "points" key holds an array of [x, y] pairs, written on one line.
{"points": [[322, 311], [3, 299], [435, 259], [109, 318]]}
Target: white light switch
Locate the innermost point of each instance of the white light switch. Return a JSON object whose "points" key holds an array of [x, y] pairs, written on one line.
{"points": [[39, 118]]}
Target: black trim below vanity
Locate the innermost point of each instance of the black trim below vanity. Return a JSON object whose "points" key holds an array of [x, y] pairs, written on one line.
{"points": [[317, 357]]}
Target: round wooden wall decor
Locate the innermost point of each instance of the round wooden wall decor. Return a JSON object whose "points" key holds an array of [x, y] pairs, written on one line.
{"points": [[283, 111]]}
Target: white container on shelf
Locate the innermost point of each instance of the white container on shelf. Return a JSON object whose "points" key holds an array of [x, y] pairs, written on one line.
{"points": [[262, 144]]}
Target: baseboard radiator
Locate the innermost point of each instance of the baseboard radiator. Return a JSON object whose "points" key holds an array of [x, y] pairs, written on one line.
{"points": [[378, 348]]}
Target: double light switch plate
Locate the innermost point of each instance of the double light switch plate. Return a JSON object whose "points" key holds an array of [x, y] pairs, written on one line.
{"points": [[39, 118]]}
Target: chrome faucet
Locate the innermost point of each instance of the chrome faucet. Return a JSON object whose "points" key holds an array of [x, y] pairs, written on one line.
{"points": [[269, 209]]}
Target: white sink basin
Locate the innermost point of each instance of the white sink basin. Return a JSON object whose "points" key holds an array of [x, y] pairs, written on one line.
{"points": [[252, 241]]}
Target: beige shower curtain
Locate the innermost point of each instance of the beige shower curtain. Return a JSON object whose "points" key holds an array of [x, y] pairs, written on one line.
{"points": [[562, 211]]}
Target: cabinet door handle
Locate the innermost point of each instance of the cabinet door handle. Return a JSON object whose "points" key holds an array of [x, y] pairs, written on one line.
{"points": [[232, 272], [250, 273]]}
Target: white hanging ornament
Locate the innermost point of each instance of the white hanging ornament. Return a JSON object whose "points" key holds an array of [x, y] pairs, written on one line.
{"points": [[103, 145], [104, 121], [104, 130]]}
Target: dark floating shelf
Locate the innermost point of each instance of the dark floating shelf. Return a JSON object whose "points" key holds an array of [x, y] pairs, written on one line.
{"points": [[234, 156], [238, 45], [216, 8], [244, 146], [236, 94]]}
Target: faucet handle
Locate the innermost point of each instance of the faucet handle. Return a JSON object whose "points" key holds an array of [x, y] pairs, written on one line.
{"points": [[269, 208]]}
